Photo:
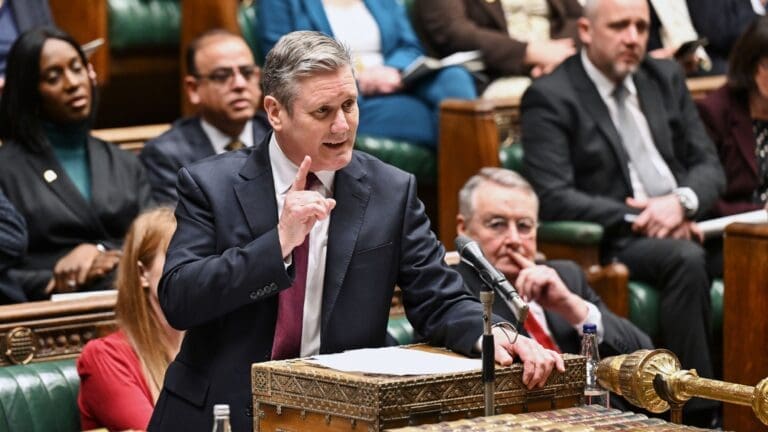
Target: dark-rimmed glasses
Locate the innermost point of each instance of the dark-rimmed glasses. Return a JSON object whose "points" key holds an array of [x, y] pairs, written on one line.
{"points": [[224, 75]]}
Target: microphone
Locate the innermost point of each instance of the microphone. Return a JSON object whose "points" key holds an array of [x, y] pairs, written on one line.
{"points": [[471, 254]]}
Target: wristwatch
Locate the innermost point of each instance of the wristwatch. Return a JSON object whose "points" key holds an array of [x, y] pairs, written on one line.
{"points": [[687, 203]]}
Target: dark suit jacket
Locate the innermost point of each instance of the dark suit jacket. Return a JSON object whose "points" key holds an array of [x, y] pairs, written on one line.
{"points": [[31, 13], [573, 154], [448, 26], [57, 215], [184, 143], [224, 268], [620, 336], [720, 21], [13, 244], [728, 122]]}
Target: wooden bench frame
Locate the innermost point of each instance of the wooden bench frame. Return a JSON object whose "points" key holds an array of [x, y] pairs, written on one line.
{"points": [[51, 330]]}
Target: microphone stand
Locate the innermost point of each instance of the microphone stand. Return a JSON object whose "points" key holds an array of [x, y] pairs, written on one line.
{"points": [[489, 363]]}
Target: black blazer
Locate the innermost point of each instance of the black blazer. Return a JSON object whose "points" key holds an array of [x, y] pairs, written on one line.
{"points": [[620, 336], [224, 268], [184, 143], [57, 215], [573, 154], [13, 244]]}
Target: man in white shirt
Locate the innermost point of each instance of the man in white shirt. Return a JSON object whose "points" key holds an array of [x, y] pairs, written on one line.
{"points": [[222, 83], [613, 137], [294, 247]]}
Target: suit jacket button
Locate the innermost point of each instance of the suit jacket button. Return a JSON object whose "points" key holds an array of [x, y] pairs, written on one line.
{"points": [[254, 295]]}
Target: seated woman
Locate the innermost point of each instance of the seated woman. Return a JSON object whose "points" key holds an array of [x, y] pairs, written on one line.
{"points": [[121, 374], [736, 116], [77, 194], [383, 44], [519, 39]]}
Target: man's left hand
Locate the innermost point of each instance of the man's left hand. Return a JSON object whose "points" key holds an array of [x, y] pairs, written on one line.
{"points": [[538, 361], [660, 216]]}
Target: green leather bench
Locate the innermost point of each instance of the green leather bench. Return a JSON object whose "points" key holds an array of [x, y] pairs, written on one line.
{"points": [[40, 397], [643, 298]]}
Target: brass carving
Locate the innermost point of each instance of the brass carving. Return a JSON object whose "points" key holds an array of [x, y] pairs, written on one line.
{"points": [[20, 345]]}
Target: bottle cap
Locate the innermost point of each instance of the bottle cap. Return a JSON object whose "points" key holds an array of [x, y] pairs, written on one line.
{"points": [[221, 410], [590, 328]]}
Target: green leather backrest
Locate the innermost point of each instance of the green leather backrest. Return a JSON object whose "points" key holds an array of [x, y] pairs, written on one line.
{"points": [[40, 397], [143, 23], [248, 20], [401, 330]]}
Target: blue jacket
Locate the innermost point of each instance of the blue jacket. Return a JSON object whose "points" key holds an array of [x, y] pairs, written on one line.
{"points": [[399, 44]]}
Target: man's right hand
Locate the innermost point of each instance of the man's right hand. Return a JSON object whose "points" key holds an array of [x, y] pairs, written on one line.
{"points": [[538, 361], [301, 209]]}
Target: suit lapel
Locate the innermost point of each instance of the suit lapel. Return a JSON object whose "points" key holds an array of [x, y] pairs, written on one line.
{"points": [[260, 213], [53, 174], [198, 141], [317, 16], [102, 184], [352, 194], [652, 105], [591, 101]]}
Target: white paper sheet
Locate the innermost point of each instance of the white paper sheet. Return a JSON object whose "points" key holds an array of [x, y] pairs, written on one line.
{"points": [[715, 227], [396, 361]]}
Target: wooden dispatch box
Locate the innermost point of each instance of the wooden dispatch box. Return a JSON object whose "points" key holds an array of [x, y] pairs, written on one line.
{"points": [[295, 395]]}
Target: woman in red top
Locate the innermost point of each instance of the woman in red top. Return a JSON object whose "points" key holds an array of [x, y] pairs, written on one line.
{"points": [[121, 374]]}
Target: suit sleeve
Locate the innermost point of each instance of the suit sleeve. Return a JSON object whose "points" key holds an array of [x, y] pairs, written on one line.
{"points": [[200, 282], [620, 336], [435, 300], [447, 24], [548, 129], [13, 233], [161, 173], [704, 173], [275, 19]]}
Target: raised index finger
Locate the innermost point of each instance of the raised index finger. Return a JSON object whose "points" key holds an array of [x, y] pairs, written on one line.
{"points": [[300, 182]]}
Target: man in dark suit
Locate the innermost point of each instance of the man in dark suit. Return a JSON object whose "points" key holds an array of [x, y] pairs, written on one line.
{"points": [[223, 84], [611, 137], [499, 210], [293, 248], [16, 17]]}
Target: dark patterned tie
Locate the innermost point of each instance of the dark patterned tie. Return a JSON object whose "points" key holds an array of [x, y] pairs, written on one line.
{"points": [[760, 129], [290, 309], [234, 145], [654, 183]]}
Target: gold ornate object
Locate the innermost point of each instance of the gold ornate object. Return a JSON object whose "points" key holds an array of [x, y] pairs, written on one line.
{"points": [[653, 379]]}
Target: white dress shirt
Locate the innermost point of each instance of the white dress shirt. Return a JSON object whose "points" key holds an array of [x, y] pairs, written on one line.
{"points": [[593, 317], [605, 88], [219, 139], [283, 173]]}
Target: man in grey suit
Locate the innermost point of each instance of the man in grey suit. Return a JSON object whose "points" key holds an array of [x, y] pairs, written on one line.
{"points": [[294, 247], [613, 137], [223, 84]]}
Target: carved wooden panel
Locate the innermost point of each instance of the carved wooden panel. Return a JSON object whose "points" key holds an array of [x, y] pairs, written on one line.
{"points": [[47, 330]]}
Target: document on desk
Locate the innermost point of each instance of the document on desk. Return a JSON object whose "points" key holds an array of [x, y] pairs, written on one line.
{"points": [[396, 361], [715, 227]]}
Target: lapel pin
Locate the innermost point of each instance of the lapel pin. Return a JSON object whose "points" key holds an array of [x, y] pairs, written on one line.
{"points": [[50, 176]]}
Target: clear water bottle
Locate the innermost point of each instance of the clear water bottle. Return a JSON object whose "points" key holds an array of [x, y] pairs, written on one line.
{"points": [[221, 418], [594, 394]]}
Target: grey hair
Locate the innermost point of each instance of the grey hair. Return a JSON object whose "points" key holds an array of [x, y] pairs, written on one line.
{"points": [[500, 176], [298, 55]]}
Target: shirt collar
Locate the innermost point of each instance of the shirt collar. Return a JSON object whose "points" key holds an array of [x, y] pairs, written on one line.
{"points": [[284, 171], [604, 85], [219, 139]]}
